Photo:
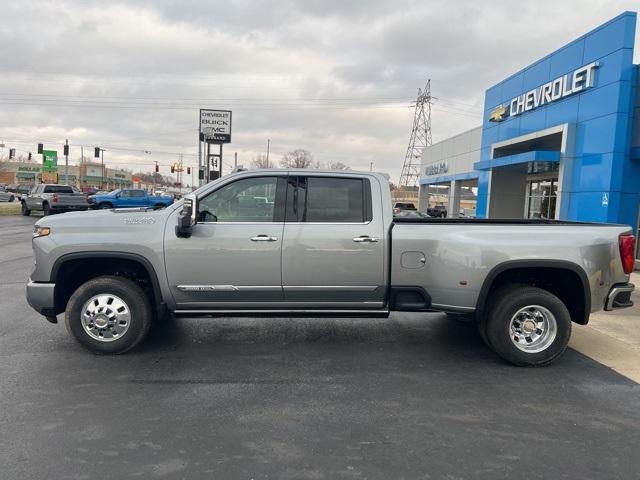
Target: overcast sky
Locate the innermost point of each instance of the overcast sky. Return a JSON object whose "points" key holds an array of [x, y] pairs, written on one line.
{"points": [[331, 76]]}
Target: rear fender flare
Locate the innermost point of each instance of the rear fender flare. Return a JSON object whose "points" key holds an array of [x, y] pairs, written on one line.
{"points": [[518, 264]]}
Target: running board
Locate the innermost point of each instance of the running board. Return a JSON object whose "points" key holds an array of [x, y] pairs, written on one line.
{"points": [[282, 313]]}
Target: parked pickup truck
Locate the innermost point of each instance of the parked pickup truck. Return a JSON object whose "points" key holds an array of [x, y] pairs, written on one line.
{"points": [[324, 243], [129, 197], [437, 211], [53, 198]]}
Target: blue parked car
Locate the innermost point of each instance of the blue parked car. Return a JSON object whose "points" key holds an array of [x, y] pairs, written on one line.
{"points": [[129, 197]]}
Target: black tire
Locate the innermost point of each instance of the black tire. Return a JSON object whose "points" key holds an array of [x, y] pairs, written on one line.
{"points": [[496, 327], [134, 298], [443, 215], [25, 211], [105, 206], [12, 198], [46, 210], [482, 330]]}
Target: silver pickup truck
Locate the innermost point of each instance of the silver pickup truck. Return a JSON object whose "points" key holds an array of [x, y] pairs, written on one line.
{"points": [[321, 243], [53, 198]]}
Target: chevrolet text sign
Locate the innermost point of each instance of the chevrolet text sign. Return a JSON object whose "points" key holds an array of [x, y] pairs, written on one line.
{"points": [[215, 125], [564, 86]]}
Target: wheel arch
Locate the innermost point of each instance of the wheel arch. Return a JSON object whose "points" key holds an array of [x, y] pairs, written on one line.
{"points": [[128, 262], [546, 274]]}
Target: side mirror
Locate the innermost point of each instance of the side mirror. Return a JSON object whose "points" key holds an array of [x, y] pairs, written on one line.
{"points": [[187, 217]]}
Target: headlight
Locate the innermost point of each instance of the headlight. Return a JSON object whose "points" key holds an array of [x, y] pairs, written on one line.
{"points": [[41, 231]]}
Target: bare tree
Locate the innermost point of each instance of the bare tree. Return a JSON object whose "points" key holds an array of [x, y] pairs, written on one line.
{"points": [[262, 161], [298, 159], [153, 177], [338, 166]]}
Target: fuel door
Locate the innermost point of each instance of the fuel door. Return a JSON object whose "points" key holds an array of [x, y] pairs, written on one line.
{"points": [[413, 260]]}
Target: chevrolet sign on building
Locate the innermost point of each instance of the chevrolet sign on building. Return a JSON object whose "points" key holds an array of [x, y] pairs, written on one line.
{"points": [[561, 87]]}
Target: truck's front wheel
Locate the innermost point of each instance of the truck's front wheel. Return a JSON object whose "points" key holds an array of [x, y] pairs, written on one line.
{"points": [[25, 211], [527, 326], [108, 315]]}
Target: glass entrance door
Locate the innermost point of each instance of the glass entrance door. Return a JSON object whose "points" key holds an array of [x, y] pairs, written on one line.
{"points": [[541, 198]]}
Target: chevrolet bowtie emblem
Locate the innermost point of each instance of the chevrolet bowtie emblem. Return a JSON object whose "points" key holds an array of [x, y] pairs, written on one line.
{"points": [[498, 114]]}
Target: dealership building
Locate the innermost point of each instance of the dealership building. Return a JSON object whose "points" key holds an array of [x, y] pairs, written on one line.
{"points": [[559, 139]]}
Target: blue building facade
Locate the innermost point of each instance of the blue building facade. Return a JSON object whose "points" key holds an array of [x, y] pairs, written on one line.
{"points": [[561, 137]]}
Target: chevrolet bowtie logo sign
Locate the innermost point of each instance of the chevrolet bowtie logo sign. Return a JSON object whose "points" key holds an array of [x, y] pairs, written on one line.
{"points": [[498, 114]]}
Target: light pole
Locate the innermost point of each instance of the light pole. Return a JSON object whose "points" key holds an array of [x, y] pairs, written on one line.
{"points": [[66, 162], [148, 152], [154, 177], [268, 145], [102, 169]]}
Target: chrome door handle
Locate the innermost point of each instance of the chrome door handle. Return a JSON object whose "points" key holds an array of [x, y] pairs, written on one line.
{"points": [[365, 239], [264, 238]]}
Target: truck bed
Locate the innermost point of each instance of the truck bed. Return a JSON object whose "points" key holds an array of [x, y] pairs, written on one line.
{"points": [[452, 262]]}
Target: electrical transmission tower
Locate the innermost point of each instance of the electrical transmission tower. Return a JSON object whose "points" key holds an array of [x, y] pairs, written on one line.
{"points": [[420, 138]]}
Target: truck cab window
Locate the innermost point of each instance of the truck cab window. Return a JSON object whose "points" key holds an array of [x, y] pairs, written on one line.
{"points": [[247, 200], [58, 189], [334, 200]]}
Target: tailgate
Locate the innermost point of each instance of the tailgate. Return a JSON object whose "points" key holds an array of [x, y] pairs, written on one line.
{"points": [[69, 200]]}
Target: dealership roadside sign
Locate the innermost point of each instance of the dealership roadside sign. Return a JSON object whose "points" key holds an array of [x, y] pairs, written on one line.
{"points": [[49, 161], [215, 126]]}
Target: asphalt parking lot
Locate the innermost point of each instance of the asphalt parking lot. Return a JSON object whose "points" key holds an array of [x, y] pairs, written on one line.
{"points": [[414, 396]]}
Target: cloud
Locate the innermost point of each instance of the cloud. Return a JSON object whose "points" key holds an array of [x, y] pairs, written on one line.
{"points": [[333, 77]]}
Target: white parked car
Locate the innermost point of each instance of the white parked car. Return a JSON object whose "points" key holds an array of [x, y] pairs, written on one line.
{"points": [[6, 196]]}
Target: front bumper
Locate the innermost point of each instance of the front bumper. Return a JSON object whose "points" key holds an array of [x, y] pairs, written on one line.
{"points": [[619, 296], [41, 297]]}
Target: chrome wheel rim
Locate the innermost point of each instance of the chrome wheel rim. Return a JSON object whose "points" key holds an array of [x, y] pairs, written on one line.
{"points": [[533, 328], [105, 317]]}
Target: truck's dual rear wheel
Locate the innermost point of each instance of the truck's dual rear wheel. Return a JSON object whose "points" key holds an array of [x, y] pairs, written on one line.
{"points": [[526, 326], [108, 315]]}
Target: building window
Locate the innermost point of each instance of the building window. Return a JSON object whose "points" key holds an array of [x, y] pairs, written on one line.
{"points": [[541, 198]]}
